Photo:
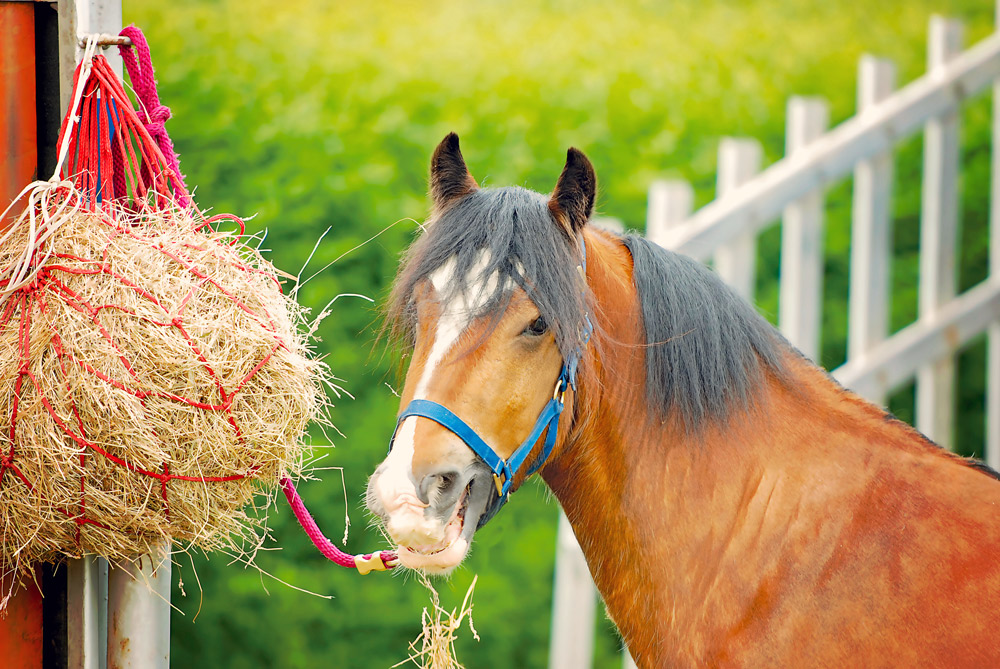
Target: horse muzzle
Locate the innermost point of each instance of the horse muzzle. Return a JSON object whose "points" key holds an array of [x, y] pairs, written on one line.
{"points": [[433, 529]]}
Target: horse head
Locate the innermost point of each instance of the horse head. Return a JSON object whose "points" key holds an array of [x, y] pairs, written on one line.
{"points": [[491, 301]]}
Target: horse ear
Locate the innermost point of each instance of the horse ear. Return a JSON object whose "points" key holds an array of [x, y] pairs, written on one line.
{"points": [[572, 201], [450, 178]]}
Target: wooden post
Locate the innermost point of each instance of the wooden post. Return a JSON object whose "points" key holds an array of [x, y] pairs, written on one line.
{"points": [[574, 603], [992, 450], [736, 261], [939, 238], [871, 229], [670, 203], [801, 285]]}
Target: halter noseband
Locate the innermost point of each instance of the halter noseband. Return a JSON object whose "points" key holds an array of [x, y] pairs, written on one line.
{"points": [[548, 421]]}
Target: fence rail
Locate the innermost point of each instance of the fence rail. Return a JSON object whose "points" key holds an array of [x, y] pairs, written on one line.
{"points": [[748, 200], [761, 200]]}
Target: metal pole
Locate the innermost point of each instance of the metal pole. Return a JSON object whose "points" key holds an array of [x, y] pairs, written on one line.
{"points": [[18, 164], [84, 625], [87, 578], [139, 612]]}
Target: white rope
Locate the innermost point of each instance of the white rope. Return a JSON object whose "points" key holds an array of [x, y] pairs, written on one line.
{"points": [[49, 203]]}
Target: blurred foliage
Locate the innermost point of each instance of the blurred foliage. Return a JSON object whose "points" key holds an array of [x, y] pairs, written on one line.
{"points": [[315, 114]]}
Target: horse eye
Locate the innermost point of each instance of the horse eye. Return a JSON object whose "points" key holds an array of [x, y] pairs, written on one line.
{"points": [[536, 327]]}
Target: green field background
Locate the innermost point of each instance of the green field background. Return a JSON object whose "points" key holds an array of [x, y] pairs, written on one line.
{"points": [[312, 115]]}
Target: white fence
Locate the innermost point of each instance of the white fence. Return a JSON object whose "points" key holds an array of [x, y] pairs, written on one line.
{"points": [[749, 200]]}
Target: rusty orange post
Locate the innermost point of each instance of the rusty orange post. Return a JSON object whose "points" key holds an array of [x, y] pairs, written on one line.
{"points": [[21, 629], [21, 624], [18, 138]]}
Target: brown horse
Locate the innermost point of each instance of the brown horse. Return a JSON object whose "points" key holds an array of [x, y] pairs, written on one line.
{"points": [[736, 506]]}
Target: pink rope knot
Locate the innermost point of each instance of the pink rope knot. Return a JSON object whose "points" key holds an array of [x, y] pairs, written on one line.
{"points": [[157, 117]]}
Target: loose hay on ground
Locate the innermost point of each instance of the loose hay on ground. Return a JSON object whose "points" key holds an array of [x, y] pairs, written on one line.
{"points": [[169, 349]]}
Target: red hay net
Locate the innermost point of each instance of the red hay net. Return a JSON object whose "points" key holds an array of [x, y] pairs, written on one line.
{"points": [[48, 286], [112, 156], [122, 176]]}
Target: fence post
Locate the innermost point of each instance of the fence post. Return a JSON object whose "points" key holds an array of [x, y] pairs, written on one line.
{"points": [[739, 161], [670, 202], [575, 598], [574, 604], [801, 285], [609, 223], [871, 226], [939, 238], [100, 16], [992, 450]]}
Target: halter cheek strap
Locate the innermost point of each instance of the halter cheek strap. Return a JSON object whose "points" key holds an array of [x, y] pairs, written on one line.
{"points": [[547, 423]]}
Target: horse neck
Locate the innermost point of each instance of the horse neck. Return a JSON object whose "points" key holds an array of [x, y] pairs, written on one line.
{"points": [[673, 525]]}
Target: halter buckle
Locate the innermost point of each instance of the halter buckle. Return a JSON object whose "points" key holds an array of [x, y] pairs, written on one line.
{"points": [[499, 484], [559, 394]]}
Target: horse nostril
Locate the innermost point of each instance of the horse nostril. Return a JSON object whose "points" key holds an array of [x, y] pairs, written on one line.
{"points": [[441, 483]]}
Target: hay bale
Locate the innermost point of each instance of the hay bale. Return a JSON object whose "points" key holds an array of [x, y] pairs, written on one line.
{"points": [[155, 378]]}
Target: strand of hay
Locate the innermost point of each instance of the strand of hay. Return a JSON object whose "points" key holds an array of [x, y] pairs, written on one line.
{"points": [[435, 647], [155, 379]]}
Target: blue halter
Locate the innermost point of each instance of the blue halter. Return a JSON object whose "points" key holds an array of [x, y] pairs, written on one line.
{"points": [[547, 422]]}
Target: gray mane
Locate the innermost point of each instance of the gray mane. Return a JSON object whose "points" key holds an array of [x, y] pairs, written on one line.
{"points": [[526, 247], [708, 348]]}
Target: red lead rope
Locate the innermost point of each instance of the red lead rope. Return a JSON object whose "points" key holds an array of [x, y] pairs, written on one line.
{"points": [[143, 82]]}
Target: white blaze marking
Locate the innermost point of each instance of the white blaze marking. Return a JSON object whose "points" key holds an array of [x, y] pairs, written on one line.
{"points": [[395, 484]]}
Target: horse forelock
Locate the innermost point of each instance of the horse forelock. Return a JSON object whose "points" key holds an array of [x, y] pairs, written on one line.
{"points": [[494, 240]]}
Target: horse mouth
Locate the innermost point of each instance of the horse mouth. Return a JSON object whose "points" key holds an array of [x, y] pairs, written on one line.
{"points": [[453, 531]]}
